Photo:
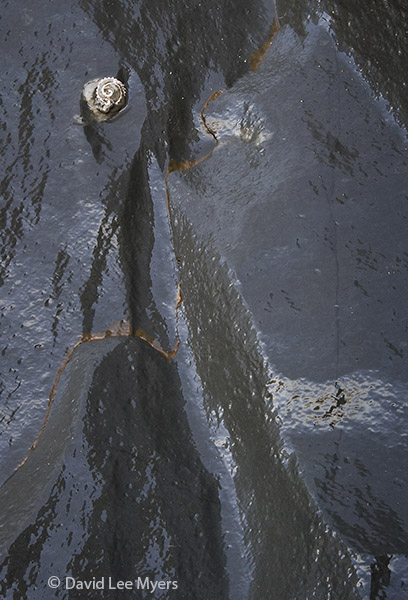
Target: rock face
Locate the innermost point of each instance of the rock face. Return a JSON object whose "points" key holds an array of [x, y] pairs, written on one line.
{"points": [[268, 459], [104, 97]]}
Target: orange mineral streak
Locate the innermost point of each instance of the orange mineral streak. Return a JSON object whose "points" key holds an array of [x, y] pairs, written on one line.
{"points": [[121, 329], [186, 165], [202, 113], [257, 57]]}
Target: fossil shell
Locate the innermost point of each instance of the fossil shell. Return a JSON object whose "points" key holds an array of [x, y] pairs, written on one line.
{"points": [[104, 97], [109, 92]]}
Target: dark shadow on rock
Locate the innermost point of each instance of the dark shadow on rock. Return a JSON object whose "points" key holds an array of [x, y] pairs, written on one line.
{"points": [[136, 240], [152, 509]]}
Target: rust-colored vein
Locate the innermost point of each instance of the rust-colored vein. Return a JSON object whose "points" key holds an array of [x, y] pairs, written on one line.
{"points": [[259, 54], [202, 113], [186, 165], [120, 329]]}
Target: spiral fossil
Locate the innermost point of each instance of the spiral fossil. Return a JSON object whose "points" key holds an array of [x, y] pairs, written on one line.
{"points": [[104, 97], [109, 92]]}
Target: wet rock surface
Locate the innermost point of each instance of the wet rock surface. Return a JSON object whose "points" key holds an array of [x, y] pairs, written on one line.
{"points": [[269, 458], [128, 495]]}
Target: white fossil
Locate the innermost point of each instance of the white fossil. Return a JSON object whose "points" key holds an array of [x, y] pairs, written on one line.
{"points": [[104, 97]]}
